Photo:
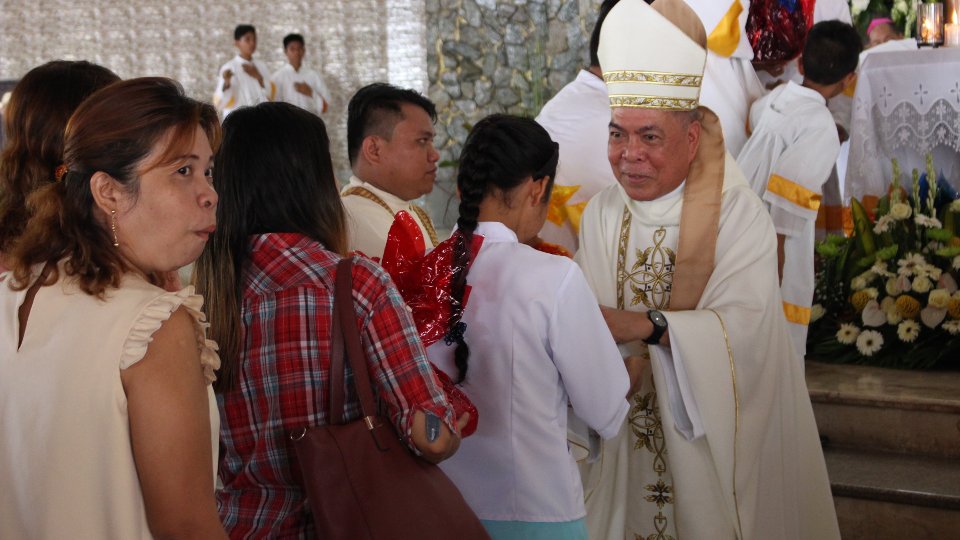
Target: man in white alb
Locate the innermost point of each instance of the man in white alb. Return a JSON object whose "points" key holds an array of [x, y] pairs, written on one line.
{"points": [[576, 119], [390, 143], [730, 83], [297, 84], [243, 80], [720, 442]]}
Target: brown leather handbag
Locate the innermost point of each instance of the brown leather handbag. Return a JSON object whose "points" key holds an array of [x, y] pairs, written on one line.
{"points": [[362, 482]]}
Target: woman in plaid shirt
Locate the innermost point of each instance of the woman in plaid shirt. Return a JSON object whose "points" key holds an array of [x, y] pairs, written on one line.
{"points": [[268, 277]]}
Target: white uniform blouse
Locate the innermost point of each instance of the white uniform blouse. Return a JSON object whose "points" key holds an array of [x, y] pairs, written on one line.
{"points": [[537, 340]]}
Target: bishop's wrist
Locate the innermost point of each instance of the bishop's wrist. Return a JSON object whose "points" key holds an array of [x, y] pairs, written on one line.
{"points": [[655, 327]]}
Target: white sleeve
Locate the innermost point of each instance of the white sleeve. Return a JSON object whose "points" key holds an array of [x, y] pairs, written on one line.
{"points": [[587, 358], [795, 186], [224, 99], [321, 96]]}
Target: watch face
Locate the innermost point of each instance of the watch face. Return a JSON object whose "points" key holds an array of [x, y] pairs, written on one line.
{"points": [[657, 318]]}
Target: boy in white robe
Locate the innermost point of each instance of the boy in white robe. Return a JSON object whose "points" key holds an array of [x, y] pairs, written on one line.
{"points": [[297, 84], [243, 80], [791, 154]]}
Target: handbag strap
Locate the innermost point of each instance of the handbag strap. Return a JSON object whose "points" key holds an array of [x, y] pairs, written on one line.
{"points": [[346, 340]]}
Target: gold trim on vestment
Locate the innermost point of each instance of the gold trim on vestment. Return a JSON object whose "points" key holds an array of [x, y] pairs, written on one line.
{"points": [[797, 314], [736, 427], [662, 78], [794, 192], [420, 212], [622, 255], [653, 102], [425, 219]]}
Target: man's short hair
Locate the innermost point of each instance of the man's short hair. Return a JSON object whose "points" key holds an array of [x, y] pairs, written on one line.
{"points": [[242, 30], [290, 38], [605, 8], [831, 52], [375, 110]]}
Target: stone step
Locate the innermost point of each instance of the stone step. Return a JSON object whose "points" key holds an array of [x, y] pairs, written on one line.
{"points": [[892, 496], [907, 412]]}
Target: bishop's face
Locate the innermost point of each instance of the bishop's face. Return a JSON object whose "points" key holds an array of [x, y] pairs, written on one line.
{"points": [[651, 150]]}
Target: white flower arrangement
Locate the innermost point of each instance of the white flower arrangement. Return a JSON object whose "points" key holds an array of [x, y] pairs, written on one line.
{"points": [[883, 224], [869, 342], [908, 331], [890, 293], [847, 334], [922, 284], [927, 221], [939, 298], [816, 312], [900, 211]]}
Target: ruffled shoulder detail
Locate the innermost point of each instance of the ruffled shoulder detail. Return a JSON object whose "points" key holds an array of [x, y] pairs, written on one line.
{"points": [[153, 315]]}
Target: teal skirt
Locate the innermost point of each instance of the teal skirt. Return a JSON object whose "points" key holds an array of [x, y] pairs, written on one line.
{"points": [[533, 530]]}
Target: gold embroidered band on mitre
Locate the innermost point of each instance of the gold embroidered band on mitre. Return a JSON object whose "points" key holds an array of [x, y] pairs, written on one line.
{"points": [[653, 102], [653, 77]]}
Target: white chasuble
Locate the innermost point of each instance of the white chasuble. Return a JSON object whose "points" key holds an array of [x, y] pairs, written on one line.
{"points": [[720, 442]]}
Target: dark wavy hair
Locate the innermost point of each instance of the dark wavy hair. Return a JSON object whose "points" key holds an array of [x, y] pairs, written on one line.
{"points": [[831, 52], [34, 120], [273, 174], [113, 131], [500, 154]]}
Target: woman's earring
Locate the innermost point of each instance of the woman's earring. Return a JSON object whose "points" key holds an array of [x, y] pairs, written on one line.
{"points": [[113, 227]]}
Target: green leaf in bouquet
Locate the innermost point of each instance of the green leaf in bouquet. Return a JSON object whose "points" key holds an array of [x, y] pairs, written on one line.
{"points": [[883, 206], [862, 227], [939, 235], [888, 252], [948, 252], [827, 250]]}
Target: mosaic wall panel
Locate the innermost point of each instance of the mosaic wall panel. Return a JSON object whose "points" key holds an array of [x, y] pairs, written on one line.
{"points": [[350, 42], [490, 56]]}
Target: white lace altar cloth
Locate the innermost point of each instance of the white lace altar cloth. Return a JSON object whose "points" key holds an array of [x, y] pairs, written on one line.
{"points": [[907, 104]]}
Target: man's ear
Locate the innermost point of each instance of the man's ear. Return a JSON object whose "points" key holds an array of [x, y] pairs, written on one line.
{"points": [[371, 148], [107, 192], [693, 138]]}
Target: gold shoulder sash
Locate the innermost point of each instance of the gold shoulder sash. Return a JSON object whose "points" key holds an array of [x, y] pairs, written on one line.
{"points": [[700, 217], [420, 212]]}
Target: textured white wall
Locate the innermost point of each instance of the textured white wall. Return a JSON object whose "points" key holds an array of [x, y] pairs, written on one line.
{"points": [[351, 42]]}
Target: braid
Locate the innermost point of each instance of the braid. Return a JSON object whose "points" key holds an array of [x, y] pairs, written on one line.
{"points": [[472, 191], [498, 155]]}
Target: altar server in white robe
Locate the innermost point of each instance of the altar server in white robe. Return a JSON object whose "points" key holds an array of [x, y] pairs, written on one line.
{"points": [[536, 338], [243, 80], [720, 441], [790, 157], [298, 84], [730, 83], [390, 143], [576, 119]]}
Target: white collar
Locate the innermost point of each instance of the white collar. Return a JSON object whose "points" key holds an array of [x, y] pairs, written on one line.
{"points": [[392, 200], [804, 92], [584, 76], [495, 231], [662, 211]]}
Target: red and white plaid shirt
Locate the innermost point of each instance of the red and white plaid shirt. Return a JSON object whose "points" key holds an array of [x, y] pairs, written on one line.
{"points": [[286, 321]]}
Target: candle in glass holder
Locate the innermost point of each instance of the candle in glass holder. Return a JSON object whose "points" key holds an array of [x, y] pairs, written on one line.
{"points": [[951, 32], [929, 24]]}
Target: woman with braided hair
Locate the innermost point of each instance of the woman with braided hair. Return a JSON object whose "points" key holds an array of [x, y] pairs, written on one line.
{"points": [[536, 341]]}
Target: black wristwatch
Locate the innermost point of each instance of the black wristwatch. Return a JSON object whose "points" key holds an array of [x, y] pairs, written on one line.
{"points": [[659, 327]]}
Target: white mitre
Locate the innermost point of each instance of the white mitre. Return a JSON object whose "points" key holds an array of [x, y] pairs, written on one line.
{"points": [[647, 60]]}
